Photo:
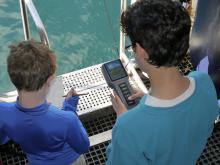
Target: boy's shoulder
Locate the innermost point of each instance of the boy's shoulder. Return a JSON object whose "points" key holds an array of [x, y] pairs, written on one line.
{"points": [[202, 79], [6, 106], [199, 75], [6, 109]]}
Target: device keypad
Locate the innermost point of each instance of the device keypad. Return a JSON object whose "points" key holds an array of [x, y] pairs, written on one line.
{"points": [[126, 93]]}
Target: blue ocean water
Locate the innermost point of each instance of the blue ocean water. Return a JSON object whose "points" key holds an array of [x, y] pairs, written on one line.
{"points": [[81, 32]]}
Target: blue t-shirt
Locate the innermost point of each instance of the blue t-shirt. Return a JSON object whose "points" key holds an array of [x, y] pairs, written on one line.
{"points": [[47, 135], [168, 132]]}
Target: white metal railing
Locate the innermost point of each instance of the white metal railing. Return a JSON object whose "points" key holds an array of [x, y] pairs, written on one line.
{"points": [[125, 60], [24, 5], [28, 4]]}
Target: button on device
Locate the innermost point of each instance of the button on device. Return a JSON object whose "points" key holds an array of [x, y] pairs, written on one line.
{"points": [[122, 85], [127, 92], [124, 89]]}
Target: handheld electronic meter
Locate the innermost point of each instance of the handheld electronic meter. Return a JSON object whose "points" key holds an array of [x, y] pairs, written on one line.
{"points": [[117, 79]]}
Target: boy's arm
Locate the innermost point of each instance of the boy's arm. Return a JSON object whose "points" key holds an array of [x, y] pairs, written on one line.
{"points": [[3, 137], [77, 137]]}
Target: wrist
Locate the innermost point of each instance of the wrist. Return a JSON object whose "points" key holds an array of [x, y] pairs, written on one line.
{"points": [[72, 100]]}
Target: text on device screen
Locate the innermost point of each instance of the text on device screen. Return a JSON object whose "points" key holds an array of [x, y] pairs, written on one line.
{"points": [[116, 70]]}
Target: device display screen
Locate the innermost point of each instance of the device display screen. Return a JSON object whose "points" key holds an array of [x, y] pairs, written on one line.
{"points": [[116, 70]]}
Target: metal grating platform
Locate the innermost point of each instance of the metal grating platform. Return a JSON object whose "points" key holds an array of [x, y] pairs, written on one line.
{"points": [[96, 154], [211, 153], [186, 65], [11, 154], [100, 124]]}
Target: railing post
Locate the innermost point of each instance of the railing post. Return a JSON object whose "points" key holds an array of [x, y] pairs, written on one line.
{"points": [[28, 4], [122, 37], [25, 22], [125, 60]]}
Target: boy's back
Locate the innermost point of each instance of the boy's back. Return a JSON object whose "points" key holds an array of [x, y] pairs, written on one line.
{"points": [[45, 133], [174, 133]]}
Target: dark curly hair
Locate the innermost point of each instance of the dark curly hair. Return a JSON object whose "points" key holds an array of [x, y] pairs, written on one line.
{"points": [[161, 27]]}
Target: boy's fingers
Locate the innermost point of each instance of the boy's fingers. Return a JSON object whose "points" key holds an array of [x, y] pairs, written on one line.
{"points": [[116, 96], [117, 104], [118, 101], [112, 98], [71, 92], [114, 103], [135, 96]]}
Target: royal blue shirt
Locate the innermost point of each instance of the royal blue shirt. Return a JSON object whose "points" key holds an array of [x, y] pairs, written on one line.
{"points": [[169, 132], [47, 135]]}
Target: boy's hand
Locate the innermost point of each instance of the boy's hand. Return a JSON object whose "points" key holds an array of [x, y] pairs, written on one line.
{"points": [[118, 106], [138, 94], [72, 98], [71, 93]]}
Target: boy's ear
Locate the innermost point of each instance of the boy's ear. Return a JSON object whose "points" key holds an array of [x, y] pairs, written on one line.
{"points": [[50, 79], [141, 51]]}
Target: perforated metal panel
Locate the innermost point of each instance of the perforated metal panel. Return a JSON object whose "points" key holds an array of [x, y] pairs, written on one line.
{"points": [[89, 80], [83, 79], [98, 98], [96, 154]]}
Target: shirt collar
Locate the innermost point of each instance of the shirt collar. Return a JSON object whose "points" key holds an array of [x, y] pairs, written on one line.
{"points": [[157, 102], [38, 110]]}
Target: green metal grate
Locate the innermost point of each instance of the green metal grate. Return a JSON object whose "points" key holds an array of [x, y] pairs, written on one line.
{"points": [[96, 154], [11, 154], [211, 153], [100, 124], [186, 65]]}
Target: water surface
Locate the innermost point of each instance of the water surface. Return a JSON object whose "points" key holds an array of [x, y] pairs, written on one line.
{"points": [[81, 32]]}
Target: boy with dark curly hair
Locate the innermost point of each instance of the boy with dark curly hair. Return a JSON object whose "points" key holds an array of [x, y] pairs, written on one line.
{"points": [[172, 123]]}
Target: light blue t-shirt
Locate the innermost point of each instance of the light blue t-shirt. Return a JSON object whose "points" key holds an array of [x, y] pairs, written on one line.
{"points": [[166, 132]]}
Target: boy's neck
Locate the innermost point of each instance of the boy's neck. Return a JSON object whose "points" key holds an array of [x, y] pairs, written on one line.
{"points": [[31, 99], [167, 83]]}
